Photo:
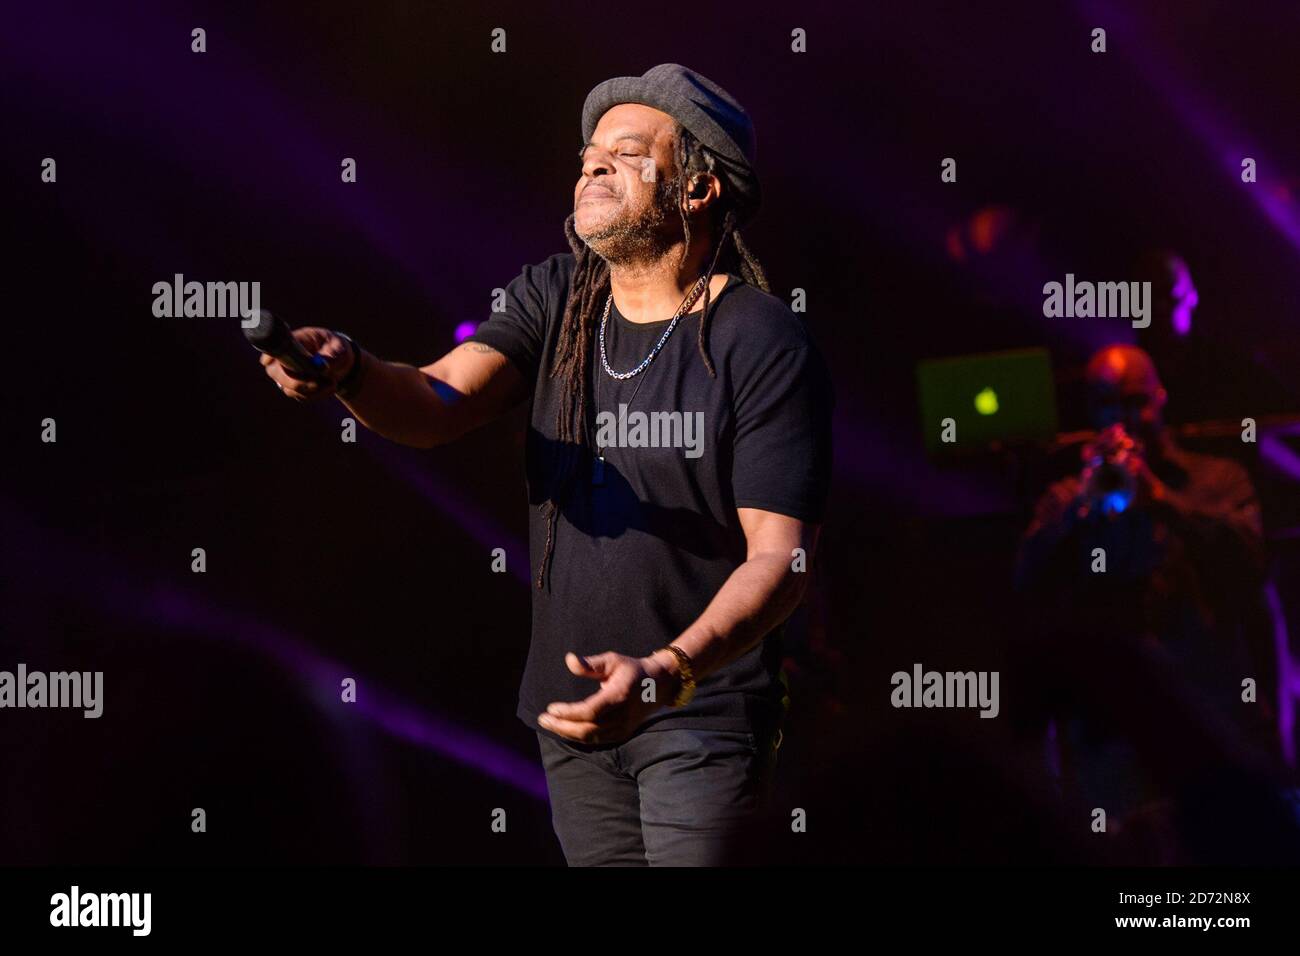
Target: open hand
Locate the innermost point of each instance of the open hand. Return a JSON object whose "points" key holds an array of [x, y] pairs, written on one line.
{"points": [[612, 713]]}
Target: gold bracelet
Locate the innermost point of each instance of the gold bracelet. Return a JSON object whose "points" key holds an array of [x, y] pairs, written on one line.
{"points": [[687, 674]]}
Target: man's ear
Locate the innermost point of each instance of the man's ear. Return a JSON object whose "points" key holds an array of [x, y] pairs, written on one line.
{"points": [[702, 191]]}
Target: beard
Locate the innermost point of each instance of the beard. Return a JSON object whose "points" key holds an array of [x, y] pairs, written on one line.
{"points": [[637, 236]]}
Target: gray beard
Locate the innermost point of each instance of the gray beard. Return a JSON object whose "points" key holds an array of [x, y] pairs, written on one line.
{"points": [[639, 239]]}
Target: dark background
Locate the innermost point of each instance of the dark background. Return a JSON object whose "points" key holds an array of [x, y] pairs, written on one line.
{"points": [[328, 559]]}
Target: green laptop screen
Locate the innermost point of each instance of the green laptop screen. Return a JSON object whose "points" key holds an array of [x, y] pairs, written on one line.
{"points": [[993, 397]]}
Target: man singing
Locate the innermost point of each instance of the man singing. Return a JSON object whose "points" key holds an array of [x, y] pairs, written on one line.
{"points": [[678, 460]]}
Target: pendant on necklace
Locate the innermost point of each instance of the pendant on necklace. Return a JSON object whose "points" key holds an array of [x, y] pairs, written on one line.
{"points": [[598, 469]]}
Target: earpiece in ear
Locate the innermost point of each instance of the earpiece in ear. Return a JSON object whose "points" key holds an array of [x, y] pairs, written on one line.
{"points": [[699, 188]]}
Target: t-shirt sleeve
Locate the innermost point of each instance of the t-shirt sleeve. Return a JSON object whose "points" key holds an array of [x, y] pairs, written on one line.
{"points": [[782, 456], [518, 331]]}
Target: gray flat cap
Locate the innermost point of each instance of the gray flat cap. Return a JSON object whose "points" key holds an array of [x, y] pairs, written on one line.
{"points": [[709, 112]]}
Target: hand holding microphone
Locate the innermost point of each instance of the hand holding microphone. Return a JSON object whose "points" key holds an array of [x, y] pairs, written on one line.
{"points": [[306, 363]]}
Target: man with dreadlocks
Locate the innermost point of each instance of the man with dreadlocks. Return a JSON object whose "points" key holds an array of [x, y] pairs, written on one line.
{"points": [[665, 559]]}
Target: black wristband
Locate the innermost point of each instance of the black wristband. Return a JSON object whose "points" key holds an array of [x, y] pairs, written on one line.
{"points": [[350, 384]]}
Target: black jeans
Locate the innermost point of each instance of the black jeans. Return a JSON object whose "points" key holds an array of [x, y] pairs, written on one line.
{"points": [[672, 797]]}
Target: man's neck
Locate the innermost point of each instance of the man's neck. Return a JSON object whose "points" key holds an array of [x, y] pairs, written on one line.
{"points": [[1163, 451], [1162, 444], [652, 291]]}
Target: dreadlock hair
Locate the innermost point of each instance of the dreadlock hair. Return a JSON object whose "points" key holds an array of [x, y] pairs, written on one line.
{"points": [[589, 288]]}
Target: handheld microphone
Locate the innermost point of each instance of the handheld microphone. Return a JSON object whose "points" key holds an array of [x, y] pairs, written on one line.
{"points": [[272, 335]]}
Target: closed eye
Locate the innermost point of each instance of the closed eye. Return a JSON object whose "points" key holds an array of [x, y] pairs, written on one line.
{"points": [[626, 154]]}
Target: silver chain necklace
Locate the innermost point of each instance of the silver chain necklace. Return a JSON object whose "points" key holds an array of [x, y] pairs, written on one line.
{"points": [[604, 320]]}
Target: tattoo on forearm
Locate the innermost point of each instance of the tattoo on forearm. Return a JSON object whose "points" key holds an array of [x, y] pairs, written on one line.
{"points": [[479, 347]]}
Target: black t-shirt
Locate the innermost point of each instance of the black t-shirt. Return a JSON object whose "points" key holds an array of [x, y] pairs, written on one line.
{"points": [[644, 541]]}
